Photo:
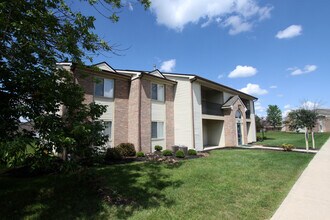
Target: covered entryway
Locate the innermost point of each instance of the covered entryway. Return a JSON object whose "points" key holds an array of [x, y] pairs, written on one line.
{"points": [[213, 134]]}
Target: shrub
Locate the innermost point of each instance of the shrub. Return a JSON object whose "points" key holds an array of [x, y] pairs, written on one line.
{"points": [[127, 149], [287, 147], [140, 154], [113, 154], [192, 152], [158, 148], [180, 154], [167, 153]]}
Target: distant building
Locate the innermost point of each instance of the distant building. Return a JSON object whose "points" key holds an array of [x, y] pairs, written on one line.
{"points": [[323, 120], [322, 123]]}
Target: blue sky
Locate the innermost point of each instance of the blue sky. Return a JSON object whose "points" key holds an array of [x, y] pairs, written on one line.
{"points": [[278, 51]]}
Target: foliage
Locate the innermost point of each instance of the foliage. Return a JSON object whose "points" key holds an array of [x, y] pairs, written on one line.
{"points": [[180, 154], [35, 35], [302, 118], [140, 154], [287, 147], [192, 152], [167, 152], [158, 148], [127, 149], [274, 115], [113, 154], [260, 123], [261, 138]]}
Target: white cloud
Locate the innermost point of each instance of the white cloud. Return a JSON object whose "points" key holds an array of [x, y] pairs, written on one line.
{"points": [[288, 106], [237, 15], [286, 112], [260, 110], [236, 25], [253, 89], [289, 32], [307, 69], [130, 6], [168, 65], [243, 71], [310, 105], [273, 87], [220, 76]]}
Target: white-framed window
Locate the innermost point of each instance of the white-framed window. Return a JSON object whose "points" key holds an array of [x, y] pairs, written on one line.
{"points": [[104, 87], [157, 130], [157, 92], [108, 128]]}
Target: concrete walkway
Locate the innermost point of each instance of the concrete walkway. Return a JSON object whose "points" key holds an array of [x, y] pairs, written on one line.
{"points": [[262, 148], [310, 196]]}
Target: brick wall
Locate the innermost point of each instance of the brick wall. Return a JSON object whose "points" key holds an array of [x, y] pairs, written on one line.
{"points": [[133, 114], [120, 120], [230, 125], [145, 115], [87, 83], [169, 101]]}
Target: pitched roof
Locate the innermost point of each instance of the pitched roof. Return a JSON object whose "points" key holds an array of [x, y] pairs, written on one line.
{"points": [[231, 101], [324, 112]]}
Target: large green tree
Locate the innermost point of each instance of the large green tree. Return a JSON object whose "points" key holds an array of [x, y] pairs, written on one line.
{"points": [[34, 36], [274, 115]]}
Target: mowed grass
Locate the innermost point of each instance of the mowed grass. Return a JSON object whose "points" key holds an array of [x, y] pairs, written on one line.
{"points": [[229, 184], [277, 138]]}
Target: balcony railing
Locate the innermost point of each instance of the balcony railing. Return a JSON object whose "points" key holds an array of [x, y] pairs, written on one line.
{"points": [[211, 108]]}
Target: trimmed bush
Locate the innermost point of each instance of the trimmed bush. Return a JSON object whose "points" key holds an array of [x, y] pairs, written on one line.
{"points": [[158, 148], [127, 149], [287, 147], [113, 154], [192, 152], [140, 154], [180, 154], [167, 153]]}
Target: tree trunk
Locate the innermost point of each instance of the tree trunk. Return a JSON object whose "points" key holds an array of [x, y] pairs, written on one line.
{"points": [[306, 139], [313, 140]]}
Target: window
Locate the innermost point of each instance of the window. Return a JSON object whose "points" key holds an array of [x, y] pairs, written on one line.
{"points": [[104, 87], [157, 92], [107, 129], [157, 129], [238, 114]]}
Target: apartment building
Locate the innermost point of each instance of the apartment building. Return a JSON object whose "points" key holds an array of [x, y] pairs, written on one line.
{"points": [[149, 108]]}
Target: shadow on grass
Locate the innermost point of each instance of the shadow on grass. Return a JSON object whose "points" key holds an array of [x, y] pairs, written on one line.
{"points": [[115, 191]]}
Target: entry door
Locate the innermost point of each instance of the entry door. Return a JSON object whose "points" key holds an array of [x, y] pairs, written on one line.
{"points": [[239, 134]]}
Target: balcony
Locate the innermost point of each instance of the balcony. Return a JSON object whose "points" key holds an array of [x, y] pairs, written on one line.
{"points": [[210, 108]]}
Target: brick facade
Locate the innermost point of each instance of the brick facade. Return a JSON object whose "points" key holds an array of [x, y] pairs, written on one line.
{"points": [[145, 126], [230, 125], [87, 82], [120, 121], [169, 101], [134, 114]]}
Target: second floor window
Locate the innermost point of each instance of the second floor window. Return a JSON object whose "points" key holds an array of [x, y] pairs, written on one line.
{"points": [[157, 92], [104, 87]]}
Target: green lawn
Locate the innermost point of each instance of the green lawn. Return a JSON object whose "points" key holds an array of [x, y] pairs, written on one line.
{"points": [[276, 138], [229, 184]]}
